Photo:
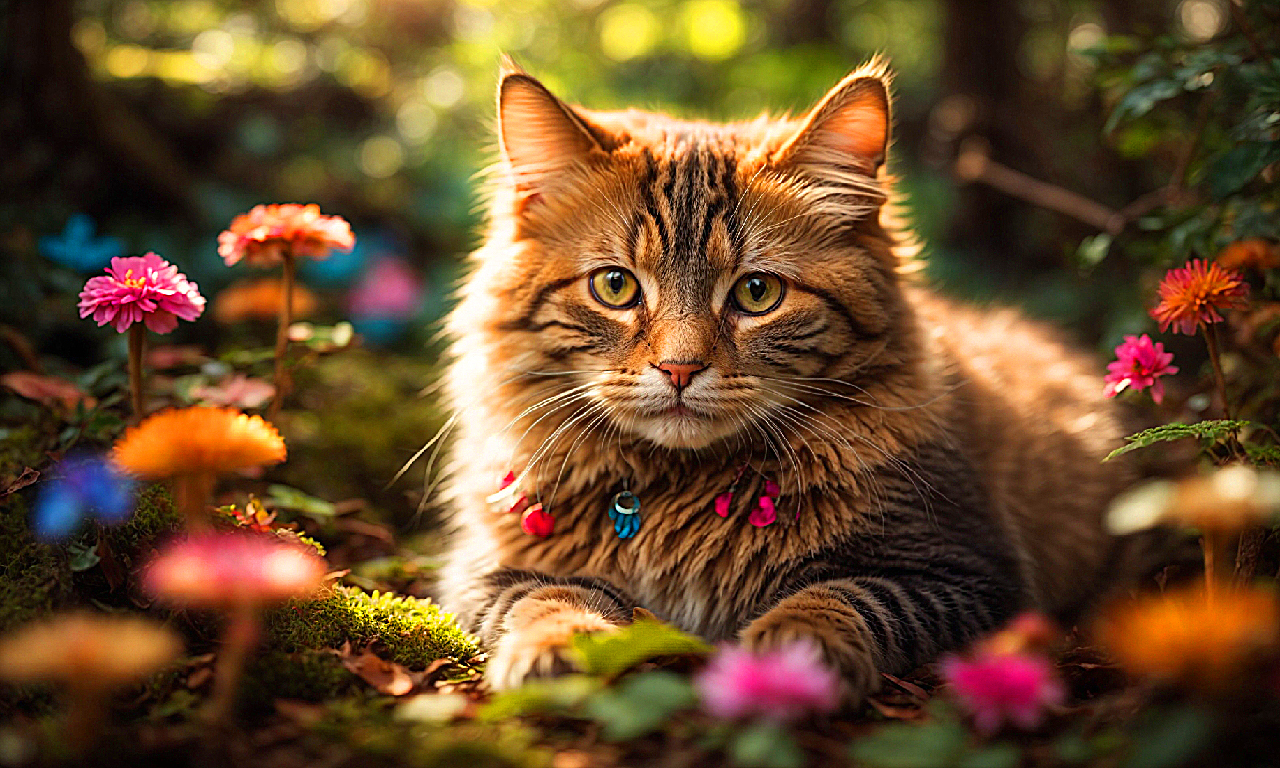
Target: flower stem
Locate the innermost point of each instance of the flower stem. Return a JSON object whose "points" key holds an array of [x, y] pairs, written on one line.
{"points": [[191, 494], [86, 714], [137, 381], [1214, 546], [1211, 341], [282, 337], [239, 638]]}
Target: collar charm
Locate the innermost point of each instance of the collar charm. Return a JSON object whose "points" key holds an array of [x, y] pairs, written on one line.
{"points": [[624, 511]]}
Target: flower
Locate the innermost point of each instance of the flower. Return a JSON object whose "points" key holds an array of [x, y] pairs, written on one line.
{"points": [[1003, 687], [1181, 637], [1193, 295], [197, 440], [1139, 364], [84, 485], [764, 513], [1254, 253], [536, 521], [260, 300], [268, 233], [141, 289], [1226, 500], [236, 390], [220, 570], [77, 247], [385, 300], [722, 503], [780, 685]]}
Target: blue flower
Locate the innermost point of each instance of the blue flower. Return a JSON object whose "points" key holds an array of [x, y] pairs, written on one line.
{"points": [[84, 485], [77, 248]]}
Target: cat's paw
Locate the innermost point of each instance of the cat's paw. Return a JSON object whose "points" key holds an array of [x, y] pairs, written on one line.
{"points": [[843, 651], [540, 647]]}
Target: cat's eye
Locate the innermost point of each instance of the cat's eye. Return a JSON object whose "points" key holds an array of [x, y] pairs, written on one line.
{"points": [[615, 287], [758, 293]]}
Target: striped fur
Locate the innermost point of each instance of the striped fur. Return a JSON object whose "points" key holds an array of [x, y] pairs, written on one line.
{"points": [[939, 467]]}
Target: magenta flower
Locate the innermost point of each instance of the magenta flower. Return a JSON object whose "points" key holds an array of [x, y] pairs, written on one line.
{"points": [[779, 685], [1139, 364], [144, 289], [1003, 687]]}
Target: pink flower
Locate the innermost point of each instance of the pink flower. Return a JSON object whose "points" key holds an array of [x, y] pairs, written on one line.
{"points": [[1139, 364], [389, 289], [779, 685], [764, 513], [144, 289], [722, 503], [267, 233], [999, 688]]}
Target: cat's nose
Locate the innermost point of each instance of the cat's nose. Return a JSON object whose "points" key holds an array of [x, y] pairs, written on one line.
{"points": [[681, 373]]}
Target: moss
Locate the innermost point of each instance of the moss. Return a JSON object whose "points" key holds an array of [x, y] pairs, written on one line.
{"points": [[153, 517], [305, 675], [407, 630], [34, 577]]}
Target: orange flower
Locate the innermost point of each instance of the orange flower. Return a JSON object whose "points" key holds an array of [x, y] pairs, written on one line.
{"points": [[1180, 637], [1193, 295], [268, 233], [260, 300], [1254, 253], [199, 440]]}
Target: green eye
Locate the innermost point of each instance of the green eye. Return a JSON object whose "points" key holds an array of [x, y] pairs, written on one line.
{"points": [[758, 293], [615, 287]]}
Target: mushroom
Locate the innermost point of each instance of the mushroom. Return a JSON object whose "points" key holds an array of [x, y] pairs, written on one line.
{"points": [[193, 446], [238, 574], [90, 654]]}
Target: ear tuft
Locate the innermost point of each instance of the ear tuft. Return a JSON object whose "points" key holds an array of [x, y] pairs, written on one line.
{"points": [[539, 134], [849, 126]]}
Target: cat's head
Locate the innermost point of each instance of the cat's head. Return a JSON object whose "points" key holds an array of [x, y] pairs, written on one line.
{"points": [[693, 281]]}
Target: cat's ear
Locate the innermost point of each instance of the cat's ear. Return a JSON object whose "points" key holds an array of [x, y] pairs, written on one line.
{"points": [[848, 128], [539, 134]]}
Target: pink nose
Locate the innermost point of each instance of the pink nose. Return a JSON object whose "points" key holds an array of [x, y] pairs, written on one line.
{"points": [[681, 373]]}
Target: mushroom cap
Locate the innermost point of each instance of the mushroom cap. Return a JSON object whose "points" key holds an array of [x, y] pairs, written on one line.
{"points": [[86, 649], [219, 570], [1227, 499], [195, 440]]}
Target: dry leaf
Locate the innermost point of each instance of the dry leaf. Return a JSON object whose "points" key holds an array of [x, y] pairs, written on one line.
{"points": [[385, 676], [47, 390]]}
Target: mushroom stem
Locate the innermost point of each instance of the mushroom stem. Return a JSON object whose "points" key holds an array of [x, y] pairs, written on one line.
{"points": [[86, 715], [1213, 543], [282, 336], [137, 381], [191, 492], [239, 638]]}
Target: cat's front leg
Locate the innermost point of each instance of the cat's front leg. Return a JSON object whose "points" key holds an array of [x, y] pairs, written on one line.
{"points": [[529, 620], [867, 625]]}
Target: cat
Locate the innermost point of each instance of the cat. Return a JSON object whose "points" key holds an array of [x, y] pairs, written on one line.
{"points": [[716, 323]]}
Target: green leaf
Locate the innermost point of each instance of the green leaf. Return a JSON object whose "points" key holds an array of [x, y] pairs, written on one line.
{"points": [[765, 745], [902, 745], [995, 756], [1267, 455], [284, 497], [613, 653], [1208, 431], [83, 558], [560, 694], [1093, 250], [1171, 739], [1141, 100], [640, 704], [1240, 165]]}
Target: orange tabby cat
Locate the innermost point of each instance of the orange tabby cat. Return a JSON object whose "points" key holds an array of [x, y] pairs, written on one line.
{"points": [[719, 398]]}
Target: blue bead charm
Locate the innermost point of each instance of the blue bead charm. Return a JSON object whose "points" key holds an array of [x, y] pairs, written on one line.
{"points": [[624, 511]]}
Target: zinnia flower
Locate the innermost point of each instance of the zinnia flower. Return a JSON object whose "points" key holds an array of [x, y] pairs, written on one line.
{"points": [[1254, 253], [1003, 687], [198, 439], [144, 289], [780, 685], [83, 486], [260, 300], [1139, 364], [1182, 637], [1195, 294], [265, 234]]}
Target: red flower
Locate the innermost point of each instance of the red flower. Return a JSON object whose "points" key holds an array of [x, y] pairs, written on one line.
{"points": [[1193, 295], [267, 233], [537, 522], [1139, 364], [144, 289], [764, 513]]}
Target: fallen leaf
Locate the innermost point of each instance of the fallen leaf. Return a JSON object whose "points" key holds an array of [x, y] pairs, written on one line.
{"points": [[174, 355], [27, 477], [894, 712], [47, 390], [239, 391], [385, 676], [432, 707], [300, 712]]}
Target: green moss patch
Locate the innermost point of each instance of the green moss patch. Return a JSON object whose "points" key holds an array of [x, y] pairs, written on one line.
{"points": [[409, 631]]}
